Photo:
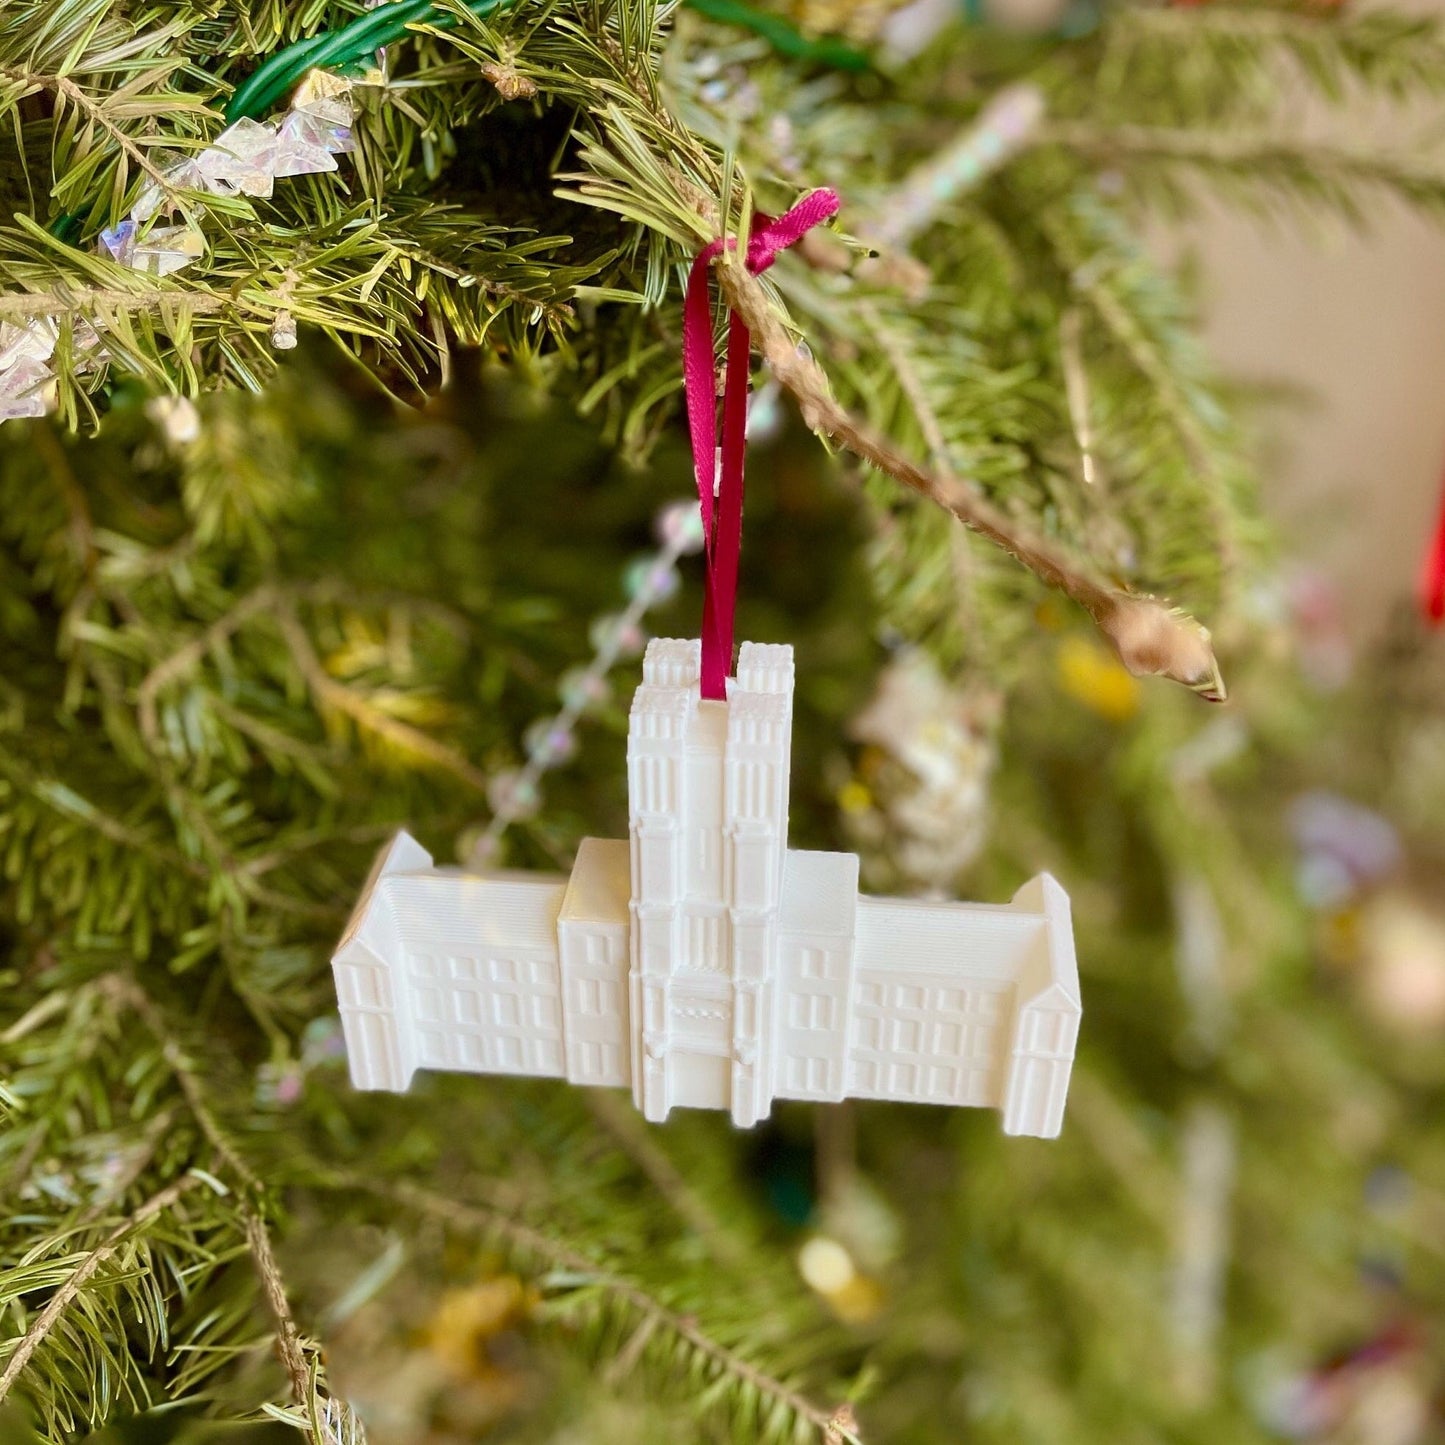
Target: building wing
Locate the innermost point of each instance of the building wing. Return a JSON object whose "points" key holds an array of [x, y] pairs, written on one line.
{"points": [[440, 969], [961, 1003]]}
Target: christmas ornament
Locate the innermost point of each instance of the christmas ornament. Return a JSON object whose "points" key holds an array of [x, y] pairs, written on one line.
{"points": [[1344, 848], [1431, 587], [701, 961], [247, 158], [1093, 676], [919, 803], [26, 379], [1402, 963]]}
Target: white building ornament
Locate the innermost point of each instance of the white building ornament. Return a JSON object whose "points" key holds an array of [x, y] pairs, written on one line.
{"points": [[703, 963]]}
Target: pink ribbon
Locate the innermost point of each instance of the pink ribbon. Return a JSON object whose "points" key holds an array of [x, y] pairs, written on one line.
{"points": [[720, 477]]}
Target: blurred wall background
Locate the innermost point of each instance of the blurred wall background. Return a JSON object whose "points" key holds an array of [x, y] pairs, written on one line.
{"points": [[1355, 324]]}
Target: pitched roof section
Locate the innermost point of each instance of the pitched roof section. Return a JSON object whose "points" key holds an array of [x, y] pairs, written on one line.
{"points": [[914, 934], [453, 912], [601, 883]]}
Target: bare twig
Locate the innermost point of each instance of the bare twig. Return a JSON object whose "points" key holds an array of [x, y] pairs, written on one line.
{"points": [[61, 1300], [90, 300], [288, 1337], [1149, 637]]}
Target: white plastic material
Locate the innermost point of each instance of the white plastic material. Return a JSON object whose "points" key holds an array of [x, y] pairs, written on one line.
{"points": [[703, 963]]}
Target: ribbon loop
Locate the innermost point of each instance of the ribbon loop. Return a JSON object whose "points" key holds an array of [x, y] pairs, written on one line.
{"points": [[719, 470]]}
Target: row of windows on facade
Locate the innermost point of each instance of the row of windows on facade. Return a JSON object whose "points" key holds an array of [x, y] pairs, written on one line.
{"points": [[802, 1074], [599, 998], [816, 964], [751, 788], [883, 1024]]}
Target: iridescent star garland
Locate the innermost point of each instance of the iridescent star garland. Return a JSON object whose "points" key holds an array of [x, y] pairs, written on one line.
{"points": [[247, 158], [550, 741], [250, 155]]}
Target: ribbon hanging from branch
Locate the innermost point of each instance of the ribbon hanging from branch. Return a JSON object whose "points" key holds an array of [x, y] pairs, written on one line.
{"points": [[719, 470]]}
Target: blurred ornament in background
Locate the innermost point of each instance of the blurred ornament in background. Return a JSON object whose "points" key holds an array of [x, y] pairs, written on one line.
{"points": [[473, 1328], [176, 418], [910, 29], [1343, 848], [918, 803], [1092, 675], [858, 20], [1376, 1392], [829, 1270], [1026, 17], [1317, 612], [442, 1367], [1402, 962], [281, 1082]]}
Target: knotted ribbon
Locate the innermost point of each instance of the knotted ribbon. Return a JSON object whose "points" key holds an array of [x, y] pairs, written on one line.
{"points": [[719, 471]]}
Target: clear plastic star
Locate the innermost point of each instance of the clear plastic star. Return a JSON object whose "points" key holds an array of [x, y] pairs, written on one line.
{"points": [[241, 159], [181, 174], [34, 340], [26, 389], [119, 242], [166, 249]]}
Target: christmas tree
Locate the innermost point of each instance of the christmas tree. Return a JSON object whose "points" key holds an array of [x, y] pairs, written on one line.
{"points": [[344, 473]]}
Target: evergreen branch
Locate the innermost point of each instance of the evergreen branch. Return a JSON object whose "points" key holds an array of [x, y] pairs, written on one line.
{"points": [[126, 991], [337, 696], [835, 1427], [63, 800], [184, 658], [1138, 346], [913, 389], [625, 1125], [1150, 638], [1313, 170], [930, 425], [66, 1295], [289, 1345], [82, 526], [136, 1165], [1394, 52], [63, 85]]}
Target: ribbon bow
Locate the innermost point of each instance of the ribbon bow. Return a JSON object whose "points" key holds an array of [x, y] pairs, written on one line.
{"points": [[720, 473]]}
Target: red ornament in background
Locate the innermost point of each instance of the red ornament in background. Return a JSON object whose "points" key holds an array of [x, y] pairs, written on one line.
{"points": [[1432, 573]]}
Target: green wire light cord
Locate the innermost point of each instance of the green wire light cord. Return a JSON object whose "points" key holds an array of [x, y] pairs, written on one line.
{"points": [[351, 45]]}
